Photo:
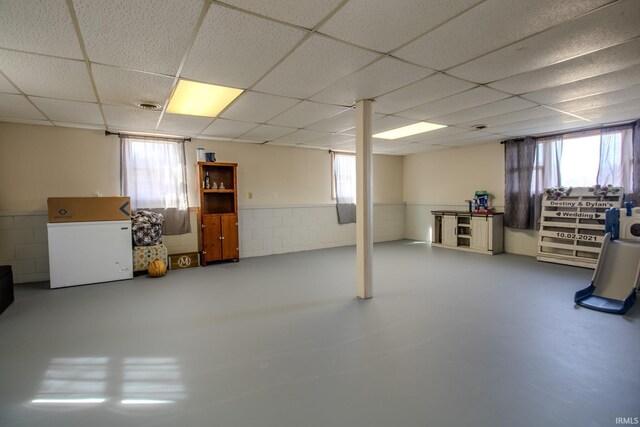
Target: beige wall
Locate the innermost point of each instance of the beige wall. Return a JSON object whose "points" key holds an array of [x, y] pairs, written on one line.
{"points": [[37, 162], [446, 178], [451, 176], [285, 175]]}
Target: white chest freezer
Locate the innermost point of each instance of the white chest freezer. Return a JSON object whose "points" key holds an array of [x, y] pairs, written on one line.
{"points": [[89, 252]]}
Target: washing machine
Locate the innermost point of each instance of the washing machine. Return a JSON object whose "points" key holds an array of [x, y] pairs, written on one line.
{"points": [[630, 225]]}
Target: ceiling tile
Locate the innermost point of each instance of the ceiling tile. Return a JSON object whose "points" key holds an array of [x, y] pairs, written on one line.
{"points": [[258, 107], [130, 118], [619, 117], [25, 121], [459, 138], [79, 125], [479, 139], [390, 146], [69, 111], [304, 13], [6, 86], [384, 25], [436, 134], [516, 116], [487, 110], [18, 107], [144, 35], [301, 136], [228, 128], [600, 100], [605, 27], [550, 124], [587, 87], [389, 122], [267, 133], [426, 90], [236, 49], [283, 144], [183, 124], [473, 33], [600, 62], [317, 63], [549, 128], [458, 102], [64, 78], [306, 113], [126, 87], [609, 111], [38, 26], [418, 148], [381, 77], [330, 141], [339, 122]]}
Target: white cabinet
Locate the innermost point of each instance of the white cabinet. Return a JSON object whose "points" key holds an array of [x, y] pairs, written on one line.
{"points": [[482, 233], [479, 233], [449, 231]]}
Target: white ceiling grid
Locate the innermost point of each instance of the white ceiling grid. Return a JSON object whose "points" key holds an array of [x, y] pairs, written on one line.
{"points": [[518, 66]]}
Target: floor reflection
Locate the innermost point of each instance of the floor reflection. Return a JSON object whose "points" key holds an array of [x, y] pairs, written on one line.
{"points": [[151, 381], [74, 381], [134, 381]]}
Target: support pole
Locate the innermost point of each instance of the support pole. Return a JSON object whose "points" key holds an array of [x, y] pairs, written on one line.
{"points": [[364, 199]]}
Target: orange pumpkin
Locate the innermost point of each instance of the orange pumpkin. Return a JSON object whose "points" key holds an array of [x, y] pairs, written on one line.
{"points": [[157, 268]]}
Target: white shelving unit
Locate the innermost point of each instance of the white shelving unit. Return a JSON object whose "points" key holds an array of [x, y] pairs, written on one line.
{"points": [[572, 227], [482, 233]]}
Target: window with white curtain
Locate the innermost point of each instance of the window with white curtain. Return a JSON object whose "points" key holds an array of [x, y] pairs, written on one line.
{"points": [[582, 159], [344, 180], [153, 174]]}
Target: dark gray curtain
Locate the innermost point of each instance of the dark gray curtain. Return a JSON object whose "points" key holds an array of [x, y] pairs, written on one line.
{"points": [[634, 196], [519, 158]]}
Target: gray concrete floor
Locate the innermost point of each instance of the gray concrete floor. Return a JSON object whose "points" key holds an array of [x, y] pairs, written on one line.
{"points": [[449, 339]]}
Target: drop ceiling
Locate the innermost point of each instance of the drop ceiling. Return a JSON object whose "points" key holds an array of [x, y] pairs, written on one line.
{"points": [[517, 66]]}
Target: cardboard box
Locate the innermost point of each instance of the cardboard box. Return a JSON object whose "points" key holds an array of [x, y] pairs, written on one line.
{"points": [[185, 260], [81, 209]]}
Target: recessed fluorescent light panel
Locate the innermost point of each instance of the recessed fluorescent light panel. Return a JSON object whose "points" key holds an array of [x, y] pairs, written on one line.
{"points": [[404, 131], [200, 99]]}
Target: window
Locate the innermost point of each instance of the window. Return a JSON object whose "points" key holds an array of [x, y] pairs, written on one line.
{"points": [[344, 185], [582, 159], [153, 174]]}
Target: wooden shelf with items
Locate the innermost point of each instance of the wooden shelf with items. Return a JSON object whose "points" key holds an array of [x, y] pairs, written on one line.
{"points": [[572, 224], [218, 212]]}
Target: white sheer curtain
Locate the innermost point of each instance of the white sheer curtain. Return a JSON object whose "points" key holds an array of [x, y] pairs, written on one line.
{"points": [[153, 174], [602, 156], [616, 159], [344, 178]]}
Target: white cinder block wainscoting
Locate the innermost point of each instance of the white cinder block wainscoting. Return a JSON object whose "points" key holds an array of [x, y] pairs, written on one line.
{"points": [[23, 245], [264, 230], [279, 229]]}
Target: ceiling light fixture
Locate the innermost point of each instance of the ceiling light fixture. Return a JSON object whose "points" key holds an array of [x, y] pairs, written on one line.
{"points": [[404, 131], [201, 99]]}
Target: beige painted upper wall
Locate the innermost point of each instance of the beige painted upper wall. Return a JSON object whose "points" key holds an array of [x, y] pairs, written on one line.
{"points": [[37, 162], [449, 177]]}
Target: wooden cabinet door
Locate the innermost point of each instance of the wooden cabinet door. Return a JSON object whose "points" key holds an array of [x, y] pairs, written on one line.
{"points": [[449, 226], [230, 237], [211, 241], [479, 233]]}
